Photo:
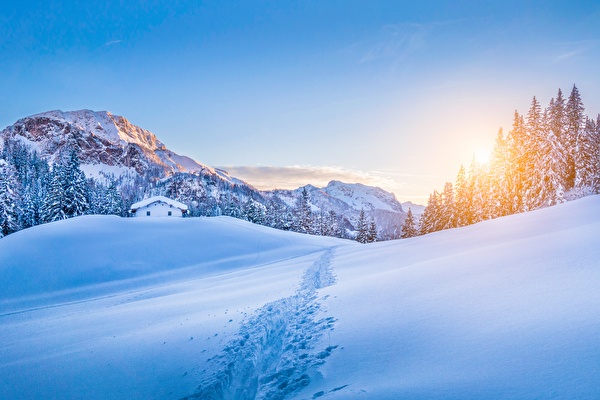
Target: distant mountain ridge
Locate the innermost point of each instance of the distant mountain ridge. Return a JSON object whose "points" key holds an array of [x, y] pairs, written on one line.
{"points": [[109, 144], [349, 199]]}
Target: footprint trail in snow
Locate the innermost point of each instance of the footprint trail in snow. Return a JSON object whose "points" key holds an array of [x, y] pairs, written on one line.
{"points": [[274, 352]]}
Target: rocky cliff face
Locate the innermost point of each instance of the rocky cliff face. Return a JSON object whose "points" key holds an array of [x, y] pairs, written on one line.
{"points": [[100, 138]]}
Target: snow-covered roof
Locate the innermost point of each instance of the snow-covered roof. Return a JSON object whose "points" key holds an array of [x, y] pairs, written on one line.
{"points": [[154, 199]]}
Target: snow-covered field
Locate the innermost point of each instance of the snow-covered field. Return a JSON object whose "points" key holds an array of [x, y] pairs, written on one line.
{"points": [[104, 307]]}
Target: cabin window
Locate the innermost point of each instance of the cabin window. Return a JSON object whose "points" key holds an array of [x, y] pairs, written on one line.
{"points": [[170, 213], [148, 213]]}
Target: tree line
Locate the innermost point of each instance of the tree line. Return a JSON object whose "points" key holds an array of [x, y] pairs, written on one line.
{"points": [[550, 156], [34, 191]]}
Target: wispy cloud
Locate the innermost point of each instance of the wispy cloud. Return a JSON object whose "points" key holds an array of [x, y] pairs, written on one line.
{"points": [[113, 42], [573, 49], [395, 41]]}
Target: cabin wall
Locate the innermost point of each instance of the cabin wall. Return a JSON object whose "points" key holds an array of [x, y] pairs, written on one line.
{"points": [[158, 209]]}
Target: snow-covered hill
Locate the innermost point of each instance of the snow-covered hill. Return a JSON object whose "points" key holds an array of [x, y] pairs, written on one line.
{"points": [[103, 307]]}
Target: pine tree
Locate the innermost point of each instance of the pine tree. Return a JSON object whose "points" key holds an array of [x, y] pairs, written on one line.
{"points": [[362, 228], [53, 206], [333, 221], [9, 198], [586, 160], [532, 182], [254, 212], [499, 184], [462, 201], [430, 219], [304, 222], [322, 225], [76, 199], [408, 228], [114, 201], [557, 127], [448, 208], [575, 123], [550, 168], [372, 232], [477, 191], [517, 165]]}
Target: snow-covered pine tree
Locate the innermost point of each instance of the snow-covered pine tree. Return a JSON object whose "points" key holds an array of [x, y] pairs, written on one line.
{"points": [[362, 228], [517, 164], [586, 160], [575, 123], [9, 199], [372, 232], [75, 188], [448, 208], [499, 184], [462, 199], [550, 168], [254, 212], [430, 219], [333, 220], [533, 144], [409, 228], [114, 201], [30, 206], [478, 191], [304, 220], [557, 125], [53, 205], [595, 125], [322, 224]]}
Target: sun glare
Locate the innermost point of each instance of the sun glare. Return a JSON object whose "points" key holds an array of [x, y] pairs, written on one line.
{"points": [[482, 156]]}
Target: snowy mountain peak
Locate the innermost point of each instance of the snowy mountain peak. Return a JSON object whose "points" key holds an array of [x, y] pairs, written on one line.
{"points": [[104, 124], [348, 199], [101, 138], [359, 196]]}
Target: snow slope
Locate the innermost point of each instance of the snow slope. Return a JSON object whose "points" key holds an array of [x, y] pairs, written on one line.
{"points": [[103, 307]]}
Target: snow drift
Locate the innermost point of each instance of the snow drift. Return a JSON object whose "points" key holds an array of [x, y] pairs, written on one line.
{"points": [[101, 307]]}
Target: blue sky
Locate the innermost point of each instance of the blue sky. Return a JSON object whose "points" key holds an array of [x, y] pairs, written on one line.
{"points": [[391, 93]]}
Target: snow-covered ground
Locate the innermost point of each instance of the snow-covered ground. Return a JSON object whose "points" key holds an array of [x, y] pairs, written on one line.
{"points": [[104, 307]]}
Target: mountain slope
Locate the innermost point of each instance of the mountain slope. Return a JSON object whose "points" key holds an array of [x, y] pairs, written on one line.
{"points": [[508, 308], [102, 138], [348, 200]]}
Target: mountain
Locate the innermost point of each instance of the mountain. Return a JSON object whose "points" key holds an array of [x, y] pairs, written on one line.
{"points": [[417, 209], [100, 307], [112, 149], [348, 200], [101, 138]]}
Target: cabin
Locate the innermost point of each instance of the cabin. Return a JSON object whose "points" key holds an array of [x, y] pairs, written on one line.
{"points": [[158, 206]]}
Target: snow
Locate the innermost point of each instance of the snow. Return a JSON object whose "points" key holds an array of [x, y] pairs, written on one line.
{"points": [[102, 171], [359, 196], [416, 209], [104, 124], [103, 307], [117, 130], [163, 199]]}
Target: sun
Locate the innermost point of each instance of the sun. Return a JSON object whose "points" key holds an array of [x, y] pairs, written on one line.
{"points": [[482, 155]]}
